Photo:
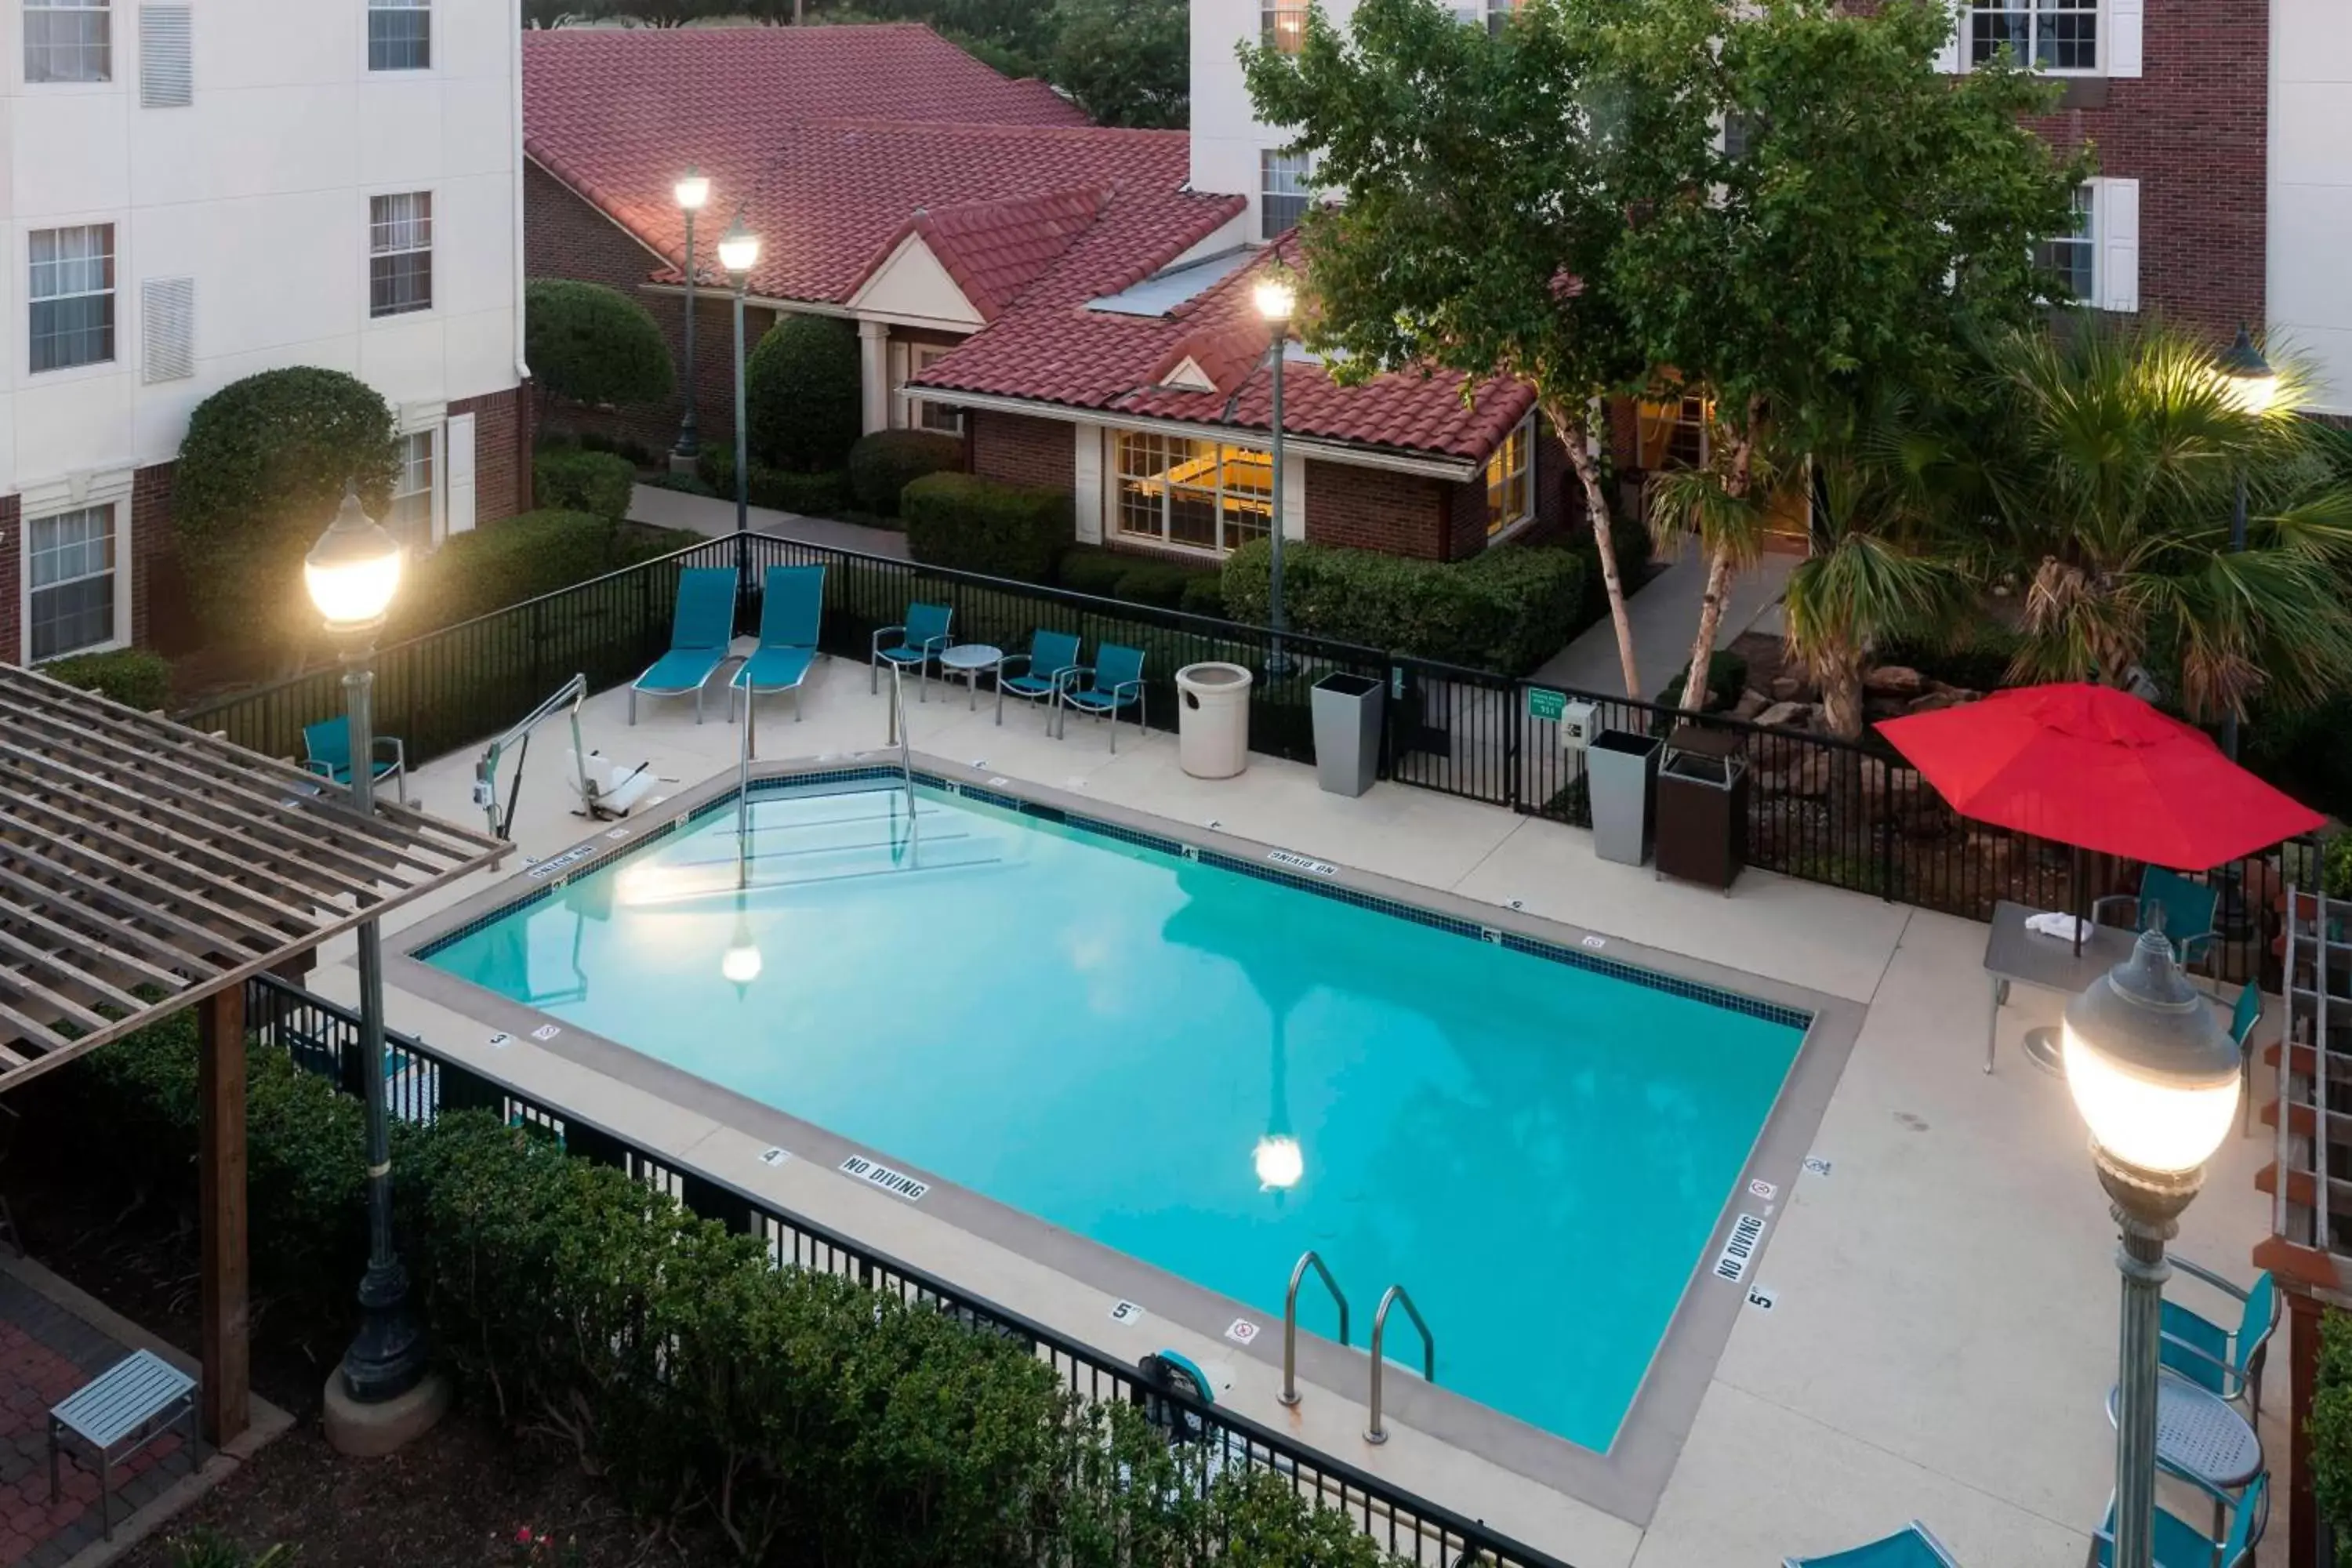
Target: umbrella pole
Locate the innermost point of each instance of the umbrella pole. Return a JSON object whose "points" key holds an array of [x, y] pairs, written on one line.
{"points": [[2077, 901]]}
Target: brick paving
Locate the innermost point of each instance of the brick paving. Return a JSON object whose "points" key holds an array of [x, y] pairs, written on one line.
{"points": [[47, 1353]]}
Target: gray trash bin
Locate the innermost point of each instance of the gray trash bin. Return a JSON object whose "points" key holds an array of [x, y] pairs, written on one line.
{"points": [[1347, 732], [1621, 771]]}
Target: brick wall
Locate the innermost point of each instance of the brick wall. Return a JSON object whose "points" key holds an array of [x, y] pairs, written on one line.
{"points": [[1022, 449], [1371, 509], [159, 613], [502, 430]]}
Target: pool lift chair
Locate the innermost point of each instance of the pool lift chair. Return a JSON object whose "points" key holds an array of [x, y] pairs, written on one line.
{"points": [[603, 790]]}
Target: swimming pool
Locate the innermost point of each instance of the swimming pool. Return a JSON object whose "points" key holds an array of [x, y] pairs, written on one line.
{"points": [[1208, 1064]]}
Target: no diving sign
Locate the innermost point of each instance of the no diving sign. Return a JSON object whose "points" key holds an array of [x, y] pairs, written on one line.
{"points": [[895, 1182]]}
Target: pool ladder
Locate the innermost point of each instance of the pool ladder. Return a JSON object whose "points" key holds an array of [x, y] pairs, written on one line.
{"points": [[1374, 1432]]}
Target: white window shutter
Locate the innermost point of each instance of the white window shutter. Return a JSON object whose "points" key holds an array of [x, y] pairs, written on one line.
{"points": [[1294, 495], [2114, 210], [2122, 53], [1087, 491], [167, 328], [457, 463], [1949, 58], [166, 58]]}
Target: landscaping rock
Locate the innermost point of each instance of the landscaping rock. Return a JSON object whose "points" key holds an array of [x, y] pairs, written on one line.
{"points": [[1786, 715], [1935, 701], [1751, 702], [1813, 774], [1786, 688], [1894, 680]]}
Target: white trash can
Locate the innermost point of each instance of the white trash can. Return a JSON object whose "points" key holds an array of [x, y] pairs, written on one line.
{"points": [[1212, 719]]}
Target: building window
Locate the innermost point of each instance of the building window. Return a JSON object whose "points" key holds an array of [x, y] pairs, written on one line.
{"points": [[69, 582], [68, 40], [1282, 192], [2047, 34], [410, 520], [1200, 495], [1281, 26], [400, 253], [2071, 260], [73, 295], [1511, 480], [1498, 15], [400, 34], [942, 419]]}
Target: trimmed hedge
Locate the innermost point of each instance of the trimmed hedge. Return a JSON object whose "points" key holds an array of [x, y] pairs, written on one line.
{"points": [[970, 524], [130, 676], [1140, 579], [588, 344], [597, 483], [1506, 610], [502, 564], [801, 394], [806, 495], [884, 464]]}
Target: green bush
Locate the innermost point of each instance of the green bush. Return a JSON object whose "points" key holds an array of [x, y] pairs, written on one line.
{"points": [[502, 564], [260, 475], [2307, 754], [130, 676], [970, 524], [594, 482], [2329, 1429], [805, 495], [801, 388], [685, 484], [1204, 595], [1140, 579], [587, 344], [1091, 569], [639, 455], [884, 463], [1727, 678], [1505, 610]]}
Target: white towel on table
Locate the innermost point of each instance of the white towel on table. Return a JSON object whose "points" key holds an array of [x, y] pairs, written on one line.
{"points": [[2063, 927]]}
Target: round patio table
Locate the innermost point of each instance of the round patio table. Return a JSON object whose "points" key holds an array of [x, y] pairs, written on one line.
{"points": [[971, 660], [2201, 1434]]}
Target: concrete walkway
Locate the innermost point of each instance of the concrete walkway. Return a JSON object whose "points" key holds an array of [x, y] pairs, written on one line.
{"points": [[1665, 618], [713, 516]]}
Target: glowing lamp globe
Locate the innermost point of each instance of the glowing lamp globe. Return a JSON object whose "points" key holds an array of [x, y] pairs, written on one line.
{"points": [[355, 569], [2150, 1066], [741, 964], [1275, 299], [2247, 378], [739, 250], [692, 190], [1280, 1162]]}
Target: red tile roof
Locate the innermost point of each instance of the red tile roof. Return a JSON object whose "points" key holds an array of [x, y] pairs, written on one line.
{"points": [[995, 249]]}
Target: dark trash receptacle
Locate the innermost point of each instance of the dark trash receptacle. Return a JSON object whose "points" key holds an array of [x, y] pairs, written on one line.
{"points": [[1702, 829], [1347, 732], [1620, 772]]}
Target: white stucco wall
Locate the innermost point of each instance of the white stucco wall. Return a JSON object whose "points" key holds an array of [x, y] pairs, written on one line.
{"points": [[2311, 190], [259, 191], [1226, 136]]}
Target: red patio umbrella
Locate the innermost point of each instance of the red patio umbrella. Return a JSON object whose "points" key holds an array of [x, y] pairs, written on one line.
{"points": [[2099, 769]]}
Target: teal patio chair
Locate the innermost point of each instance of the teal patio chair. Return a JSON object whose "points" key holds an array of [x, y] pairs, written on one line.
{"points": [[922, 639], [792, 608], [2243, 1019], [1113, 681], [2226, 1360], [2183, 906], [1913, 1546], [2180, 1544], [1040, 678], [327, 751], [699, 631]]}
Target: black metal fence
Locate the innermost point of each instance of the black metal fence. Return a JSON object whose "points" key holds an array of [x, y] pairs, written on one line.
{"points": [[1851, 815], [421, 1083]]}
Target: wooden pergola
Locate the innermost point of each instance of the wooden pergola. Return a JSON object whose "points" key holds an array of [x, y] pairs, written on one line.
{"points": [[146, 867]]}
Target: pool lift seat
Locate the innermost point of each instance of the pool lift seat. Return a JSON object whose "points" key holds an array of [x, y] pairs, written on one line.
{"points": [[602, 790]]}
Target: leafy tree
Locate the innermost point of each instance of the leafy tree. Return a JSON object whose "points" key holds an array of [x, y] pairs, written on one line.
{"points": [[260, 475], [1127, 62], [801, 389], [588, 344], [1480, 210]]}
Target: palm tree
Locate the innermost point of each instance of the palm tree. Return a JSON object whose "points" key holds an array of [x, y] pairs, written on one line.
{"points": [[2107, 462]]}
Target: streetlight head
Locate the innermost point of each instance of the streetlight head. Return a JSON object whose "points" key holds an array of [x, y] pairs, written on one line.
{"points": [[1275, 299], [739, 250], [353, 569], [2150, 1066], [2247, 378], [692, 190], [1279, 1163]]}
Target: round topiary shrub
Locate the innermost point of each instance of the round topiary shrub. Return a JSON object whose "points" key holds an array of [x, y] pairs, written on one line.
{"points": [[801, 387], [260, 472], [887, 462], [588, 344]]}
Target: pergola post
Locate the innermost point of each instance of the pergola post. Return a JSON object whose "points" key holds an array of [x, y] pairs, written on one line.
{"points": [[220, 1198]]}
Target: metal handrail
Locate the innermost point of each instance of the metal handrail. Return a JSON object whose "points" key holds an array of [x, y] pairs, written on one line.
{"points": [[1289, 1395], [905, 759], [1374, 1432], [743, 791]]}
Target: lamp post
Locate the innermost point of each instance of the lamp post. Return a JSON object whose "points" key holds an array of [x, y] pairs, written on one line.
{"points": [[1276, 300], [692, 190], [739, 965], [2250, 383], [2156, 1076], [738, 252], [1277, 1159], [351, 574]]}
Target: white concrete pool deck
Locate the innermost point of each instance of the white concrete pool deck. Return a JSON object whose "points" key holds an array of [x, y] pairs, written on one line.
{"points": [[1943, 1330]]}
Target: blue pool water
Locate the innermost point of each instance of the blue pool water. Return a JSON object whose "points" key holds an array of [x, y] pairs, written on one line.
{"points": [[1101, 1035]]}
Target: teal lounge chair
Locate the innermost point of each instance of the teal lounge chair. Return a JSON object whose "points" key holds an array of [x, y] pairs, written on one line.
{"points": [[2226, 1360], [922, 639], [1114, 680], [2243, 1019], [791, 606], [2180, 1544], [699, 631], [327, 751], [2185, 908], [1911, 1547], [1040, 679]]}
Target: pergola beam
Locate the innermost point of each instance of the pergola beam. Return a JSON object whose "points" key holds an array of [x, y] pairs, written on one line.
{"points": [[226, 1393]]}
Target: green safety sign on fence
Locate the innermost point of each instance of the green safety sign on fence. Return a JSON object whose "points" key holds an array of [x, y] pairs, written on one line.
{"points": [[1545, 704]]}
